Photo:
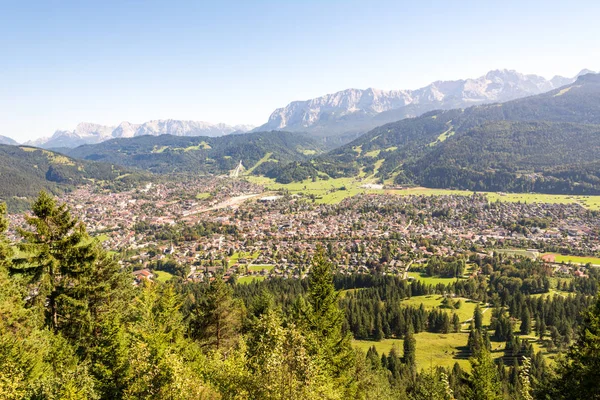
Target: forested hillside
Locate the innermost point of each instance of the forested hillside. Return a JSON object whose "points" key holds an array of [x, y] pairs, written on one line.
{"points": [[72, 326], [545, 143], [258, 152], [24, 171]]}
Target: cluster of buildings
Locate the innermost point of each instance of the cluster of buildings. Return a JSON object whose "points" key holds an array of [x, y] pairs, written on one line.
{"points": [[277, 235]]}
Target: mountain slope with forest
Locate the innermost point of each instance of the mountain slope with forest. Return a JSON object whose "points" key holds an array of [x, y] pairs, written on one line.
{"points": [[25, 171], [258, 152], [545, 143]]}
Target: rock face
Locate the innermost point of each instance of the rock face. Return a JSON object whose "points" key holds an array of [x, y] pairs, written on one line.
{"points": [[344, 114], [87, 133]]}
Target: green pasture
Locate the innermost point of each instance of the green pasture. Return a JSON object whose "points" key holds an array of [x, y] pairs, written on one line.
{"points": [[559, 258], [247, 279], [259, 267], [328, 192], [162, 276], [430, 280], [465, 312]]}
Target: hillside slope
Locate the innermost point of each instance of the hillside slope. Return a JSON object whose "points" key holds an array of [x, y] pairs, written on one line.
{"points": [[547, 143], [258, 152], [24, 171]]}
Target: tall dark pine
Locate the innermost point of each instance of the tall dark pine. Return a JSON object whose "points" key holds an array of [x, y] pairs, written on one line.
{"points": [[478, 318], [216, 319], [410, 349], [525, 322], [58, 258], [324, 318], [5, 249]]}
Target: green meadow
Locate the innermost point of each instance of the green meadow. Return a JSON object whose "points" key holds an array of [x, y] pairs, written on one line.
{"points": [[559, 258], [333, 191], [247, 279]]}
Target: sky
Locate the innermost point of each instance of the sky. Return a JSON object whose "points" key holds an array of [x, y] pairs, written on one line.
{"points": [[65, 62]]}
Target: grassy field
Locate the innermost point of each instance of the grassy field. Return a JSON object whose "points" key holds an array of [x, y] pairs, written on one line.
{"points": [[237, 255], [430, 280], [516, 252], [162, 276], [328, 192], [203, 195], [575, 259], [433, 349], [258, 268], [465, 312], [436, 349], [262, 160], [247, 279]]}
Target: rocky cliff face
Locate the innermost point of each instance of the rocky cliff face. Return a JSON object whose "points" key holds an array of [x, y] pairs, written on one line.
{"points": [[353, 111]]}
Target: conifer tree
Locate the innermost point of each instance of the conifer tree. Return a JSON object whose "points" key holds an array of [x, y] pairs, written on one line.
{"points": [[525, 322], [216, 319], [478, 318], [59, 257], [456, 325], [322, 317], [579, 373], [485, 384], [410, 349]]}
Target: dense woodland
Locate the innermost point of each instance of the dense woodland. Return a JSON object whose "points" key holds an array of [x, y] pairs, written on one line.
{"points": [[24, 171], [198, 154], [72, 326]]}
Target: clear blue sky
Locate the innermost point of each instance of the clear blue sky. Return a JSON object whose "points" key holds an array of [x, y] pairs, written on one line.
{"points": [[63, 62]]}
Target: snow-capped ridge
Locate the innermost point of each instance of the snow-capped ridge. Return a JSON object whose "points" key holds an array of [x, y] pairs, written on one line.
{"points": [[358, 110], [90, 133]]}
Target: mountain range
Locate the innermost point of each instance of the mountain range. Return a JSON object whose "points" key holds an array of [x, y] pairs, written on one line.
{"points": [[88, 133], [342, 116], [546, 143], [334, 119]]}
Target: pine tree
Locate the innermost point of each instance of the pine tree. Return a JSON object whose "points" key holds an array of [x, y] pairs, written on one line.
{"points": [[525, 322], [59, 260], [578, 375], [216, 318], [456, 325], [323, 318], [410, 349], [6, 252], [478, 318], [484, 380]]}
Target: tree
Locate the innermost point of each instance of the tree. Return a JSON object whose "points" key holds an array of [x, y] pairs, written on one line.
{"points": [[478, 318], [579, 373], [322, 317], [410, 349], [456, 325], [59, 261], [525, 322], [216, 318], [484, 381], [5, 249]]}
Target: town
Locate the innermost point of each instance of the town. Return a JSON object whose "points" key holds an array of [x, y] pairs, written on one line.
{"points": [[198, 227]]}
